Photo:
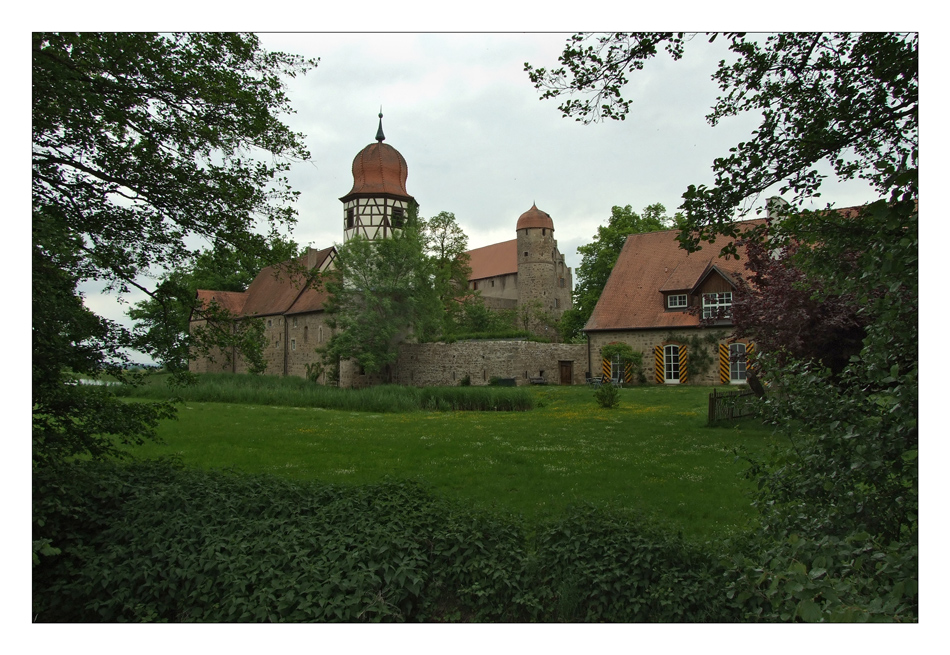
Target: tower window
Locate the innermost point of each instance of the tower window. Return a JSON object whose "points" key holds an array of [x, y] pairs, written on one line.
{"points": [[349, 218], [399, 217]]}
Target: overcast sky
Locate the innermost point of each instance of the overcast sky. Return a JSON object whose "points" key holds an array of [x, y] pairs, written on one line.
{"points": [[481, 144]]}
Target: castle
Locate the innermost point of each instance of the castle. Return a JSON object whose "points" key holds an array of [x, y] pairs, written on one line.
{"points": [[527, 274]]}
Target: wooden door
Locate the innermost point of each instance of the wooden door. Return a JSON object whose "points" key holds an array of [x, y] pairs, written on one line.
{"points": [[567, 372]]}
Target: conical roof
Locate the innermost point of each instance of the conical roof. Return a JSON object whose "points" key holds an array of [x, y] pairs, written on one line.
{"points": [[534, 217]]}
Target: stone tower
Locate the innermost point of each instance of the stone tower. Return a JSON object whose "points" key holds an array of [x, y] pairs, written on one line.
{"points": [[543, 279], [378, 203]]}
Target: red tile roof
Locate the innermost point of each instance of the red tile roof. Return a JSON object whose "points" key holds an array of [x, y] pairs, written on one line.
{"points": [[275, 290], [496, 259], [648, 265], [232, 301]]}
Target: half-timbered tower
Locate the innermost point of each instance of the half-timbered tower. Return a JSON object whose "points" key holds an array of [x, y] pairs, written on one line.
{"points": [[378, 202]]}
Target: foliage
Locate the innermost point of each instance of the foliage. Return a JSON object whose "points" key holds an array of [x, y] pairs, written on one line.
{"points": [[162, 320], [702, 349], [599, 256], [473, 317], [848, 100], [141, 142], [153, 542], [793, 315], [607, 396], [446, 245], [839, 502], [380, 294]]}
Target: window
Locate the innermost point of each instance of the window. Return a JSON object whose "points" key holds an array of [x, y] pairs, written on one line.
{"points": [[305, 329], [671, 364], [676, 301], [561, 282], [717, 305], [557, 303], [398, 217], [269, 322], [349, 218], [293, 344], [295, 321], [737, 363]]}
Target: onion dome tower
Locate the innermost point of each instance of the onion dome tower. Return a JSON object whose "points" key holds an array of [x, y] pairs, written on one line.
{"points": [[378, 202], [540, 265]]}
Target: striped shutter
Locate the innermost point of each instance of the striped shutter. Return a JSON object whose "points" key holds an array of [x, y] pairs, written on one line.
{"points": [[627, 373], [658, 357], [605, 368], [724, 363], [683, 360]]}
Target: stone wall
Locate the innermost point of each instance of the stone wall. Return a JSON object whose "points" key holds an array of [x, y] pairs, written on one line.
{"points": [[645, 340], [441, 364]]}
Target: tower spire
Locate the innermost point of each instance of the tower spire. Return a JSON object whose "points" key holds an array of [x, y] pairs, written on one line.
{"points": [[380, 137]]}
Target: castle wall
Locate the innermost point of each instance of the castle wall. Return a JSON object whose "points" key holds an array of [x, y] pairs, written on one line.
{"points": [[441, 364]]}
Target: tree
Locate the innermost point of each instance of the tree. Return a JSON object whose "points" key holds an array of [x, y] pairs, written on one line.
{"points": [[838, 504], [793, 315], [162, 320], [599, 256], [446, 245], [848, 100], [142, 145], [381, 292]]}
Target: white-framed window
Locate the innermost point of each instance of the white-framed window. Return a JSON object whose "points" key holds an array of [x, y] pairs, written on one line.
{"points": [[717, 305], [737, 363], [671, 364], [293, 344], [676, 301]]}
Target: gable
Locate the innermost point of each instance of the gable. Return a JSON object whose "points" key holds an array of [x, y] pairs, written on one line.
{"points": [[650, 267]]}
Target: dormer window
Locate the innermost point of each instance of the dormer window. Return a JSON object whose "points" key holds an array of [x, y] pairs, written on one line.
{"points": [[676, 301], [717, 305]]}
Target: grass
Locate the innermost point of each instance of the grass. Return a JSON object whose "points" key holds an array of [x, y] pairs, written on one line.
{"points": [[652, 453], [298, 392]]}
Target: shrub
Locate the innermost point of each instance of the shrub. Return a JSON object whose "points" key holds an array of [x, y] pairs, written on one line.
{"points": [[607, 396], [151, 541]]}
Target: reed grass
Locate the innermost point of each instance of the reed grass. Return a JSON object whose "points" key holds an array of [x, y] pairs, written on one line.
{"points": [[298, 392]]}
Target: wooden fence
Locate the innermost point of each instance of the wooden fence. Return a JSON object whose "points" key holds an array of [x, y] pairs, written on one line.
{"points": [[724, 405]]}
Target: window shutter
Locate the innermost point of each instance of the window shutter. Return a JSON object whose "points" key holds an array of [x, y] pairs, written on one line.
{"points": [[724, 363], [605, 368], [683, 358], [658, 357], [627, 373]]}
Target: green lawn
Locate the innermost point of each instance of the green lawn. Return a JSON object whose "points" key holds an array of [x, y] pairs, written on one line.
{"points": [[654, 452]]}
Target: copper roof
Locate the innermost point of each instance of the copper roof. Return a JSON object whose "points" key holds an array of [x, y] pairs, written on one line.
{"points": [[648, 265], [379, 169], [496, 259], [534, 217]]}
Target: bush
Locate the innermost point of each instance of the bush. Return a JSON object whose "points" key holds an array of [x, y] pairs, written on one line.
{"points": [[607, 396], [151, 541]]}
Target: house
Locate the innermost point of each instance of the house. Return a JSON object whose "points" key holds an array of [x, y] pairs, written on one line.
{"points": [[674, 307], [527, 273]]}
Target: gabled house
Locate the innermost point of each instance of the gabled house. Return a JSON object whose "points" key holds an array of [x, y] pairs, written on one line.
{"points": [[292, 313], [674, 307]]}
